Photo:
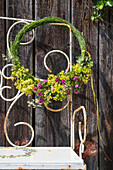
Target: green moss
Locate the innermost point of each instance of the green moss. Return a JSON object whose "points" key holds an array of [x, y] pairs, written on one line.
{"points": [[46, 20]]}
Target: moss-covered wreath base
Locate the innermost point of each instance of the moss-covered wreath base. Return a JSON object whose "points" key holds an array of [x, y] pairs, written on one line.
{"points": [[56, 87]]}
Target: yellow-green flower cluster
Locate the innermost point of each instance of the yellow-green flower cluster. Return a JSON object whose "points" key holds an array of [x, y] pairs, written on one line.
{"points": [[22, 81], [57, 87], [58, 92], [83, 72]]}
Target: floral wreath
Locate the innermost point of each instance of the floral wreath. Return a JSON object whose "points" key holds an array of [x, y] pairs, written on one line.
{"points": [[56, 87]]}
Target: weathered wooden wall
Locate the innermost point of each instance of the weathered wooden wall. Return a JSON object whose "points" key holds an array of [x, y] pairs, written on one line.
{"points": [[53, 129]]}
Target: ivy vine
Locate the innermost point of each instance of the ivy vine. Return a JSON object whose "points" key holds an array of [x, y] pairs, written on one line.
{"points": [[100, 5]]}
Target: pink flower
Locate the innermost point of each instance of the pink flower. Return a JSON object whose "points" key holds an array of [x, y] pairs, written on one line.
{"points": [[76, 92], [40, 100], [63, 81], [76, 78], [45, 81], [40, 93], [64, 86], [76, 86], [34, 89], [57, 79], [39, 85], [68, 93]]}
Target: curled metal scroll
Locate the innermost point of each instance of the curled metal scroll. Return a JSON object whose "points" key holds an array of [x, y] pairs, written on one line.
{"points": [[14, 99], [8, 34], [56, 51], [18, 95], [16, 124], [6, 87], [82, 140], [58, 110]]}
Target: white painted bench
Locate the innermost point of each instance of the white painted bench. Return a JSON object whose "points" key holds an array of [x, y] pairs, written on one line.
{"points": [[42, 158]]}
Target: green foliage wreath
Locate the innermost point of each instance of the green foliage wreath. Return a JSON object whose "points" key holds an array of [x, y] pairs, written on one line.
{"points": [[56, 87]]}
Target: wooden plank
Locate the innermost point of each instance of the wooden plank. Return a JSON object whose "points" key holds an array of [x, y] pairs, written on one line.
{"points": [[2, 51], [20, 112], [81, 14], [106, 88], [51, 129]]}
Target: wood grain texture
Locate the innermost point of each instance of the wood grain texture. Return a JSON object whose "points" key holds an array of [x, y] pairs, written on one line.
{"points": [[90, 31], [2, 51], [52, 129], [20, 112], [106, 88], [81, 14]]}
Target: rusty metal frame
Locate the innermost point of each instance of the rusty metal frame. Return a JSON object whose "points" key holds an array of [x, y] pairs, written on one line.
{"points": [[18, 95]]}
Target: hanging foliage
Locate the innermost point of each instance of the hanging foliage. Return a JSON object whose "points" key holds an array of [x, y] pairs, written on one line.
{"points": [[100, 5]]}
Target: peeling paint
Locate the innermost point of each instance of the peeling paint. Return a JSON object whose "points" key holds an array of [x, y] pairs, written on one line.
{"points": [[69, 167]]}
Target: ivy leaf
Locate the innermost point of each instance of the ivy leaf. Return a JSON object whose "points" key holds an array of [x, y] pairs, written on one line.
{"points": [[108, 3], [98, 4], [95, 15], [91, 63], [80, 59], [81, 76]]}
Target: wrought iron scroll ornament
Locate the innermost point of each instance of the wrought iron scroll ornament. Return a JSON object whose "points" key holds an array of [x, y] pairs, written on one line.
{"points": [[13, 53], [14, 100], [19, 94]]}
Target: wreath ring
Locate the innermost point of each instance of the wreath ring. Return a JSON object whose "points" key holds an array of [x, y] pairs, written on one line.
{"points": [[28, 84]]}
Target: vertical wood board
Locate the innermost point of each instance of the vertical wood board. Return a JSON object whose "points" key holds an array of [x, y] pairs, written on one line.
{"points": [[106, 88], [20, 112], [52, 128], [81, 19], [2, 63]]}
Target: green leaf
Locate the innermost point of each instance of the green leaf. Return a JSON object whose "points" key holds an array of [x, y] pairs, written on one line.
{"points": [[80, 59], [98, 4], [91, 63], [108, 3], [95, 15], [92, 18]]}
